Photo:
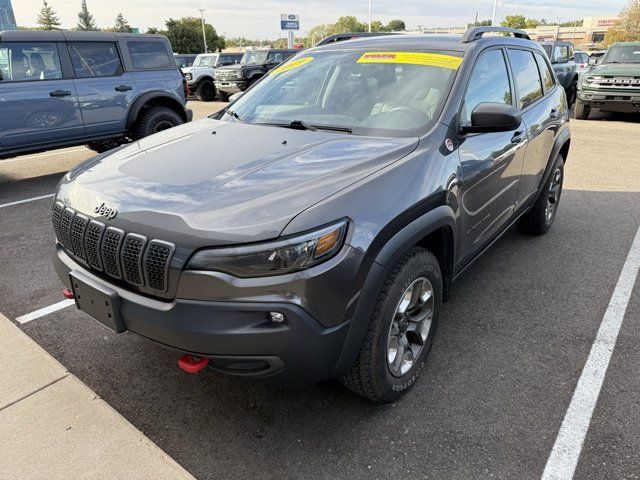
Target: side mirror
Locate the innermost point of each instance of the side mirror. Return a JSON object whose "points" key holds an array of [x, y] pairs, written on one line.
{"points": [[493, 117]]}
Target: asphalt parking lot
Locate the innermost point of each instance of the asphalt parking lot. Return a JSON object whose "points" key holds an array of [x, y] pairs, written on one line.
{"points": [[512, 344]]}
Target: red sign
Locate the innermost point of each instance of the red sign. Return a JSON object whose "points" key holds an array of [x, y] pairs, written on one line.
{"points": [[603, 22]]}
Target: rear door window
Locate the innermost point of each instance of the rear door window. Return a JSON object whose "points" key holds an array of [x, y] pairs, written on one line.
{"points": [[146, 55], [561, 53], [95, 59], [488, 83], [527, 77], [20, 62], [545, 72]]}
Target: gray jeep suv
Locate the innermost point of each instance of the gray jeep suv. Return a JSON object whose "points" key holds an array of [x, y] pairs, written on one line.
{"points": [[377, 170], [59, 89]]}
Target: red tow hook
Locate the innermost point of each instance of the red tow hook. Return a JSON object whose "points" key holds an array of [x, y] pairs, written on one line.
{"points": [[68, 294], [192, 363]]}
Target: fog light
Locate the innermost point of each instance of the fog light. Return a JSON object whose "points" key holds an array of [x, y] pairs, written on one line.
{"points": [[276, 317]]}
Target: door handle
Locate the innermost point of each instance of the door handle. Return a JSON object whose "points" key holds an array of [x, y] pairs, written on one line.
{"points": [[60, 93], [123, 88], [518, 137], [553, 114]]}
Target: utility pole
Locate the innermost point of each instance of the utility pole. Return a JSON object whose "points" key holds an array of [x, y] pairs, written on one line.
{"points": [[493, 18], [204, 36], [369, 15]]}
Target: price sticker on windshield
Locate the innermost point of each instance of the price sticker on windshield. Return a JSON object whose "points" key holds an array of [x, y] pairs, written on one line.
{"points": [[413, 58], [291, 65]]}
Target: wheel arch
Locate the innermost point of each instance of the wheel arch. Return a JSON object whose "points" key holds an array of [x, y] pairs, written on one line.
{"points": [[152, 99]]}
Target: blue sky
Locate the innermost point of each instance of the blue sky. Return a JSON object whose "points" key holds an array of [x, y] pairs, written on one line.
{"points": [[260, 18]]}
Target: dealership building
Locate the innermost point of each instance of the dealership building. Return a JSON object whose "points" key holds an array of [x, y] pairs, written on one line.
{"points": [[7, 19], [589, 35]]}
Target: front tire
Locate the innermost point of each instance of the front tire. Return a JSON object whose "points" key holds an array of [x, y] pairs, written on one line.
{"points": [[155, 119], [572, 93], [401, 329], [582, 111], [206, 91], [539, 219]]}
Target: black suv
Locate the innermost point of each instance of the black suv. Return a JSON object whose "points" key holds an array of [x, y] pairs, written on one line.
{"points": [[377, 170], [254, 65]]}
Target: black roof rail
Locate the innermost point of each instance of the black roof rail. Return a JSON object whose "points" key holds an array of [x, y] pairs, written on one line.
{"points": [[340, 37], [475, 33]]}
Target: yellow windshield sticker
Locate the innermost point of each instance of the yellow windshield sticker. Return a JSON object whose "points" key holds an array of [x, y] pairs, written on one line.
{"points": [[413, 58], [291, 65]]}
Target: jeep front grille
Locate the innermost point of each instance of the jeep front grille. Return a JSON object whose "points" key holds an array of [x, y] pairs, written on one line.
{"points": [[125, 256]]}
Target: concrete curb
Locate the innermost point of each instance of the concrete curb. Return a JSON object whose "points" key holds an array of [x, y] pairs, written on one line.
{"points": [[55, 427]]}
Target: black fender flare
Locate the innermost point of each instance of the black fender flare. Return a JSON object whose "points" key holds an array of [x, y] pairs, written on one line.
{"points": [[143, 99], [253, 75], [378, 265], [561, 140], [202, 79]]}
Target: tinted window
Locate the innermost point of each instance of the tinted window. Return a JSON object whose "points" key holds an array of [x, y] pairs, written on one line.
{"points": [[527, 77], [545, 72], [488, 83], [21, 62], [561, 53], [149, 55], [95, 59]]}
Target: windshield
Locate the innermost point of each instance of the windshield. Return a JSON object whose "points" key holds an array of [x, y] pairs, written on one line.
{"points": [[367, 93], [255, 56], [205, 61], [623, 54]]}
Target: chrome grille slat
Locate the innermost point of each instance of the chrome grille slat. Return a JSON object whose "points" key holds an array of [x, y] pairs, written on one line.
{"points": [[131, 258], [65, 227], [156, 264], [92, 243], [111, 244], [78, 229]]}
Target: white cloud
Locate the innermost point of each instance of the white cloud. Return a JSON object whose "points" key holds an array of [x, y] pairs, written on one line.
{"points": [[260, 19]]}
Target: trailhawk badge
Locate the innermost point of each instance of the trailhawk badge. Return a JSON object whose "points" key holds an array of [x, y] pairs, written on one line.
{"points": [[105, 211]]}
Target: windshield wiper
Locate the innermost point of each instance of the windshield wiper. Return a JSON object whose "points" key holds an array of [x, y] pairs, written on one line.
{"points": [[300, 125]]}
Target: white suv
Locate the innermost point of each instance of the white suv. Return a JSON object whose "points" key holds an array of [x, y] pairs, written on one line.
{"points": [[200, 76]]}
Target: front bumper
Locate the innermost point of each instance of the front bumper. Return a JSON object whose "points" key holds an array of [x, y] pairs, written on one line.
{"points": [[237, 336], [611, 101], [232, 86]]}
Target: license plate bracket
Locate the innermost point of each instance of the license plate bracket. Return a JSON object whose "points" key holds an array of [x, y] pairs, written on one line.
{"points": [[97, 301]]}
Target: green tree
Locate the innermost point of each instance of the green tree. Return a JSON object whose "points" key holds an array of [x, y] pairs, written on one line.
{"points": [[185, 35], [377, 26], [396, 26], [349, 24], [531, 23], [628, 27], [514, 21], [47, 18], [86, 22], [121, 25]]}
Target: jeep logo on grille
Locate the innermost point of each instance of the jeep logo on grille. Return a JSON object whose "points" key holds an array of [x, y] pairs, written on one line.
{"points": [[105, 211]]}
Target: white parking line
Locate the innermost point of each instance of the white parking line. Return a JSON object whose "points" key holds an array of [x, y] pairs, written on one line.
{"points": [[33, 199], [44, 311], [564, 457]]}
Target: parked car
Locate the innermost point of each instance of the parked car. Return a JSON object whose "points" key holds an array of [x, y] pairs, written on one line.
{"points": [[613, 84], [254, 65], [563, 60], [582, 60], [59, 89], [375, 172], [184, 60], [201, 75]]}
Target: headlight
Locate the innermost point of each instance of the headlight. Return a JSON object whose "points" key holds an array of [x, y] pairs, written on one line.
{"points": [[274, 258], [188, 76], [591, 78]]}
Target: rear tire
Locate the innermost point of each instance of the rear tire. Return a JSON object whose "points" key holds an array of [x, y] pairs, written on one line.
{"points": [[572, 93], [396, 345], [206, 91], [155, 119], [539, 219], [582, 111]]}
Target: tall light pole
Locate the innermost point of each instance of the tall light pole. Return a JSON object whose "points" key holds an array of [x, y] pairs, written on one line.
{"points": [[369, 15], [204, 36], [493, 18]]}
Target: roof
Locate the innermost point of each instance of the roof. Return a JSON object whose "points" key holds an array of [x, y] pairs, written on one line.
{"points": [[62, 35], [625, 44], [412, 42]]}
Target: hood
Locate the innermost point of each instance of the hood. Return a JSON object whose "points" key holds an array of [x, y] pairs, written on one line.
{"points": [[616, 69], [234, 67], [224, 182]]}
